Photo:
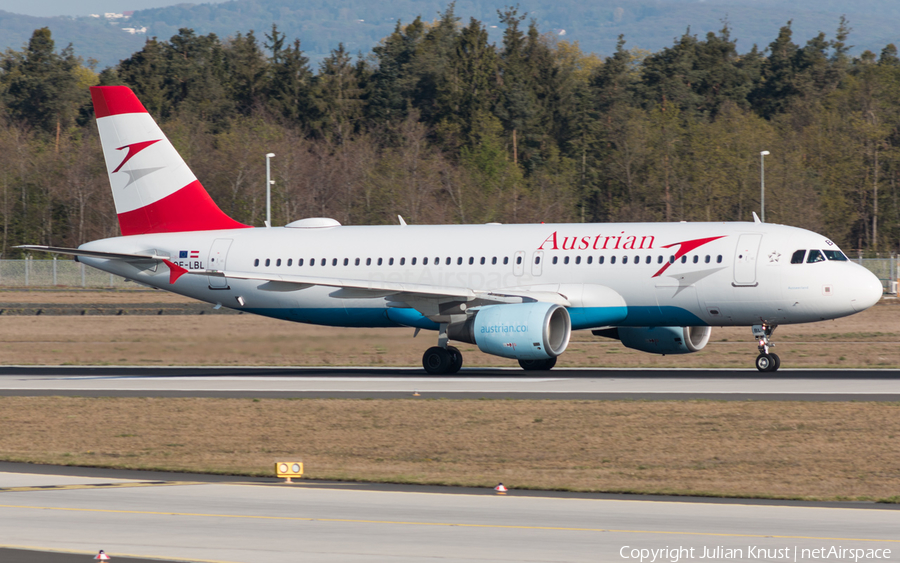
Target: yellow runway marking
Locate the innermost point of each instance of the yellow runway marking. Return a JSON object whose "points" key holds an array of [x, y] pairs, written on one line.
{"points": [[97, 486], [439, 524]]}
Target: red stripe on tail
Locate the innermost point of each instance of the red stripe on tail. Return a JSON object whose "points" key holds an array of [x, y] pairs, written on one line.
{"points": [[115, 100], [188, 209]]}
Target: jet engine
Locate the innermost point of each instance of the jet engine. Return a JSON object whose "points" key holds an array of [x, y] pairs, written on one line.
{"points": [[523, 331], [660, 339]]}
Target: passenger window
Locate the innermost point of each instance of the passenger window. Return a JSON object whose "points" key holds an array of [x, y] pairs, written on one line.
{"points": [[797, 257], [578, 259], [815, 256], [555, 259], [590, 259], [696, 258], [600, 260], [413, 261], [333, 262], [256, 262], [505, 260], [612, 259], [368, 261], [346, 261], [719, 259], [671, 259], [482, 260], [380, 261], [390, 261], [290, 261], [537, 259], [494, 260], [471, 260], [835, 255], [268, 261], [425, 261], [278, 262], [459, 260], [649, 259], [324, 260], [707, 259], [566, 260], [659, 259], [637, 259], [625, 259], [684, 259], [299, 261], [403, 261], [356, 262], [518, 259], [448, 260]]}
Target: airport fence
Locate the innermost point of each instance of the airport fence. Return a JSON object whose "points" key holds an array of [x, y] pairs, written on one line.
{"points": [[55, 273], [69, 273]]}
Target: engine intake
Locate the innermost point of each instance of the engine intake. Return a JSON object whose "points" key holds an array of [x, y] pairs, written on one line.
{"points": [[523, 331]]}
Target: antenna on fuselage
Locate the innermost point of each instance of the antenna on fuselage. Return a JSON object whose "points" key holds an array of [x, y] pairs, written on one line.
{"points": [[756, 218]]}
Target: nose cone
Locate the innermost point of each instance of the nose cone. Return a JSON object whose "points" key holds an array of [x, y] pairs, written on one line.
{"points": [[867, 290]]}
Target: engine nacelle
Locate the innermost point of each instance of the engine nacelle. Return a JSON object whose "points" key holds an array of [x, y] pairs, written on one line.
{"points": [[663, 339], [523, 331]]}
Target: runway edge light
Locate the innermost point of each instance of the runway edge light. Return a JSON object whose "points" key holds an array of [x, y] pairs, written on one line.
{"points": [[102, 556], [501, 490], [287, 469]]}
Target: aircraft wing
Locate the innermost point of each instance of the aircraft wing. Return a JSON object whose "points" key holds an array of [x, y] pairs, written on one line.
{"points": [[433, 301], [352, 288]]}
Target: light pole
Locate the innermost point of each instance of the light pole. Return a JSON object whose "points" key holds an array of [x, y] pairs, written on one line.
{"points": [[762, 185], [269, 183]]}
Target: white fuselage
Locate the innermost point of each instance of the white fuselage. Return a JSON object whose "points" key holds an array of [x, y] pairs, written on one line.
{"points": [[741, 275]]}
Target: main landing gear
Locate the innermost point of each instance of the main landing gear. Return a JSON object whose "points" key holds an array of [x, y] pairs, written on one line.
{"points": [[442, 359], [766, 361]]}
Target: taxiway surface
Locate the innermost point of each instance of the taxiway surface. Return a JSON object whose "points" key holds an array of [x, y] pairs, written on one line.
{"points": [[605, 384], [251, 521]]}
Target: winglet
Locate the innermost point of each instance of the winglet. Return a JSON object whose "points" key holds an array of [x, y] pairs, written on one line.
{"points": [[175, 271]]}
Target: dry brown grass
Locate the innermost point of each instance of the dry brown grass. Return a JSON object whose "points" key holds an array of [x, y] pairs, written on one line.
{"points": [[869, 339], [744, 449]]}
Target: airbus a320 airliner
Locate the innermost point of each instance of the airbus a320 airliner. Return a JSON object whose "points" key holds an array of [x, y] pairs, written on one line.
{"points": [[515, 291]]}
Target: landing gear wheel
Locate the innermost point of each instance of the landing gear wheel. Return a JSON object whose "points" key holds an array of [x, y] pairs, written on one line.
{"points": [[777, 362], [437, 360], [538, 365], [456, 360], [767, 362]]}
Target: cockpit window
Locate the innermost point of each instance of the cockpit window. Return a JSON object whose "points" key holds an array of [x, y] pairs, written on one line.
{"points": [[835, 255], [797, 258], [815, 256]]}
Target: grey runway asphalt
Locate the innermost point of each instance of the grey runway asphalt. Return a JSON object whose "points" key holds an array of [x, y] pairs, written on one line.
{"points": [[561, 384], [222, 519]]}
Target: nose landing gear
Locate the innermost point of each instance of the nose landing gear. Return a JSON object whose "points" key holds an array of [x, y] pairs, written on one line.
{"points": [[766, 361]]}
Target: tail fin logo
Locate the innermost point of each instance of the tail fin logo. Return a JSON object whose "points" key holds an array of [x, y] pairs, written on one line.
{"points": [[133, 149]]}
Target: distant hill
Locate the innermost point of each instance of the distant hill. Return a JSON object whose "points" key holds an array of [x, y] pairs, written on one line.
{"points": [[360, 24], [91, 37]]}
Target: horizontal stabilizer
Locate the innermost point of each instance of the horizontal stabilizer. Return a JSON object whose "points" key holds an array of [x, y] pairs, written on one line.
{"points": [[93, 253]]}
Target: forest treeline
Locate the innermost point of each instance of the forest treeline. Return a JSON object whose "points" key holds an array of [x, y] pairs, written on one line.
{"points": [[440, 126]]}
